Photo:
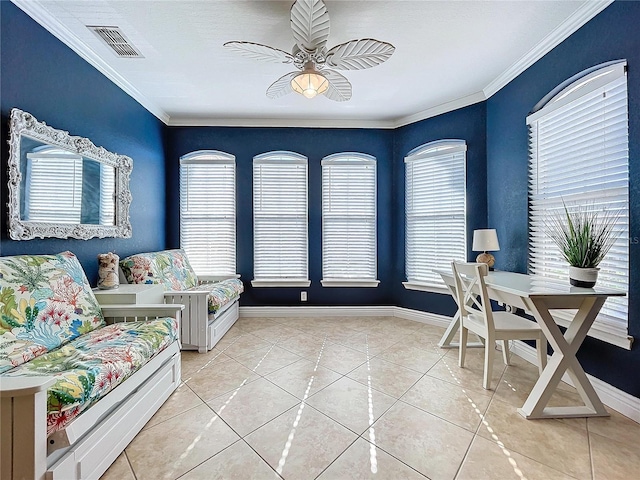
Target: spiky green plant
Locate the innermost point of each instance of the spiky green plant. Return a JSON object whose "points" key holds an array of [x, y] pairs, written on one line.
{"points": [[584, 234]]}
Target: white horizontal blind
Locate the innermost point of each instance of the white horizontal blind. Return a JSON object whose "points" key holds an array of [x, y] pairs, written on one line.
{"points": [[107, 194], [435, 209], [280, 217], [208, 212], [349, 217], [579, 155], [66, 168]]}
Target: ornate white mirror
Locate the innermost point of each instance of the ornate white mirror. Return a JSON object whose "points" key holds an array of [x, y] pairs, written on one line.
{"points": [[64, 186]]}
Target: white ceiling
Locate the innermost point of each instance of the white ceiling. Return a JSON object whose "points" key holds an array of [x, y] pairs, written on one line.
{"points": [[448, 54]]}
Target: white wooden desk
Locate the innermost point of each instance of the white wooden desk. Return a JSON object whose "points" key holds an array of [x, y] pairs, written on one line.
{"points": [[538, 296]]}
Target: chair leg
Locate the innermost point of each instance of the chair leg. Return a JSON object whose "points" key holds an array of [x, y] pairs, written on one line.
{"points": [[506, 354], [462, 350], [541, 345], [489, 350]]}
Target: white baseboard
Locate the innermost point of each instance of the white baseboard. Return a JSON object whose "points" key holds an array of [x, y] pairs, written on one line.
{"points": [[368, 311], [422, 317], [622, 402]]}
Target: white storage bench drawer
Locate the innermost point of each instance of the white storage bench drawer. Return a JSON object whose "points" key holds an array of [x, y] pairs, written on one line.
{"points": [[223, 321]]}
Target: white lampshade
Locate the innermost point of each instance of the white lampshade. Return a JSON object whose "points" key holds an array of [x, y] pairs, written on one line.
{"points": [[485, 240]]}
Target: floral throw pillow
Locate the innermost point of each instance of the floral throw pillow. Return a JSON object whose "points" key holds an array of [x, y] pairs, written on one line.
{"points": [[170, 268], [45, 301]]}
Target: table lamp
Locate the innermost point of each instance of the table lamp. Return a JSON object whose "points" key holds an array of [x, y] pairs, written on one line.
{"points": [[485, 240]]}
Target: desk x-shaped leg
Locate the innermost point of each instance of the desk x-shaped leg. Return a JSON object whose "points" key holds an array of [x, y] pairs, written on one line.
{"points": [[563, 360]]}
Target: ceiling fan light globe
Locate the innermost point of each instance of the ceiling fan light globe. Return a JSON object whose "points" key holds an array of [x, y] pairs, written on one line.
{"points": [[309, 93], [309, 84]]}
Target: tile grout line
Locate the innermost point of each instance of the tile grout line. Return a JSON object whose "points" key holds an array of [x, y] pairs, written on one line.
{"points": [[443, 359], [287, 446], [126, 456], [592, 465]]}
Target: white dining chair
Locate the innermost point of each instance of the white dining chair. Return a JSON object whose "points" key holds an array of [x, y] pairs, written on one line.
{"points": [[476, 315]]}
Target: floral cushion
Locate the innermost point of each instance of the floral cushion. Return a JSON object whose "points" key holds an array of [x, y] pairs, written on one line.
{"points": [[45, 302], [89, 367], [220, 293], [169, 268]]}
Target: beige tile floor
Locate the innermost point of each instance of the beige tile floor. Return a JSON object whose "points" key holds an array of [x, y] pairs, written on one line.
{"points": [[364, 398]]}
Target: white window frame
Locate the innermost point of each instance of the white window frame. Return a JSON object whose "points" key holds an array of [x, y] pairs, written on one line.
{"points": [[347, 201], [554, 179], [449, 156], [280, 160], [208, 261]]}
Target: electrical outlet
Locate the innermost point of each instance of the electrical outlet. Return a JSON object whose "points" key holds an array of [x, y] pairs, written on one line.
{"points": [[303, 296]]}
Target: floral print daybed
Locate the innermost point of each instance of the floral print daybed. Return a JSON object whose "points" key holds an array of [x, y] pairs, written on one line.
{"points": [[211, 307], [53, 330]]}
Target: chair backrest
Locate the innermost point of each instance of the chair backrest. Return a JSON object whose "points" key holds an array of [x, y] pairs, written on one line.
{"points": [[471, 291], [45, 301], [169, 268]]}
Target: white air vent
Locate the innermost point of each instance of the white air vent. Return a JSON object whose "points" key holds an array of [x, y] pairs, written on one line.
{"points": [[115, 39]]}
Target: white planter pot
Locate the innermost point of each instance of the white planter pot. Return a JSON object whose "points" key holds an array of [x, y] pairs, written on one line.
{"points": [[583, 277]]}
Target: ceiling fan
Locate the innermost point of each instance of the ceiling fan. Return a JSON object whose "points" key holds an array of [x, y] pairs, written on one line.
{"points": [[316, 65]]}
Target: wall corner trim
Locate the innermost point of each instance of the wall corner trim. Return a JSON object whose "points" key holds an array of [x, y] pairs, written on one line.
{"points": [[581, 16]]}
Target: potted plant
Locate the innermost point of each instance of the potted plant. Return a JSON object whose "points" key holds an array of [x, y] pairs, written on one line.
{"points": [[584, 236]]}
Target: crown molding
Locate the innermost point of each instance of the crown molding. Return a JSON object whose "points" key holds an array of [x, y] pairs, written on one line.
{"points": [[474, 98], [586, 12], [176, 121], [38, 13], [440, 109]]}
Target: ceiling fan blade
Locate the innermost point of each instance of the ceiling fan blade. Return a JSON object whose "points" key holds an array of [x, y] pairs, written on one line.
{"points": [[310, 24], [339, 87], [258, 51], [282, 86], [359, 54]]}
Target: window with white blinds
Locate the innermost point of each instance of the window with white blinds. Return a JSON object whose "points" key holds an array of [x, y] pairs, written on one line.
{"points": [[579, 155], [66, 168], [280, 232], [349, 220], [107, 194], [208, 212], [435, 212]]}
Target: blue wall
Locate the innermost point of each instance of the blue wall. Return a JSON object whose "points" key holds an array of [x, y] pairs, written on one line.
{"points": [[466, 124], [315, 144], [613, 34], [42, 76]]}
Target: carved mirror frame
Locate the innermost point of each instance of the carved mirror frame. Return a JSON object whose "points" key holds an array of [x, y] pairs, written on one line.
{"points": [[25, 124]]}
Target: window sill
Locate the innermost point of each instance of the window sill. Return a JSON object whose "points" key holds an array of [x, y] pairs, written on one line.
{"points": [[423, 287], [350, 283], [280, 283], [216, 278]]}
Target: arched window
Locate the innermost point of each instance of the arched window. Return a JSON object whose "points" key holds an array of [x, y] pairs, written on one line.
{"points": [[349, 220], [280, 233], [579, 155], [435, 211], [208, 212]]}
